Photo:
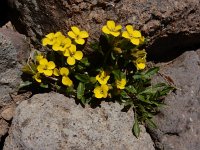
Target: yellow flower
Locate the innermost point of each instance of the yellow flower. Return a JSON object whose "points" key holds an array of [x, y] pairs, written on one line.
{"points": [[37, 77], [56, 72], [78, 35], [73, 55], [46, 67], [67, 81], [140, 63], [102, 78], [121, 83], [61, 44], [140, 54], [111, 28], [50, 38], [134, 35], [39, 57], [64, 71], [101, 91]]}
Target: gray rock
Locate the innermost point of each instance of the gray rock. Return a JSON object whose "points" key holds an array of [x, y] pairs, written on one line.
{"points": [[179, 122], [14, 50], [54, 122]]}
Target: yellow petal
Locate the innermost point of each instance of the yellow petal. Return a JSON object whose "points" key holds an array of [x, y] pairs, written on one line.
{"points": [[140, 63], [56, 72], [40, 68], [39, 57], [67, 42], [135, 41], [104, 87], [64, 71], [83, 34], [140, 66], [136, 33], [56, 46], [59, 34], [110, 24], [129, 28], [105, 90], [72, 35], [118, 27], [71, 60], [78, 55], [51, 65], [72, 48], [45, 41], [115, 33], [37, 77], [66, 81], [66, 52], [80, 41], [98, 92], [48, 72], [105, 30], [75, 30], [43, 61], [50, 35], [125, 34]]}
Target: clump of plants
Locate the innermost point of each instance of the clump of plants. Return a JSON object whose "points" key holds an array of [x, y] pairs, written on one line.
{"points": [[115, 71]]}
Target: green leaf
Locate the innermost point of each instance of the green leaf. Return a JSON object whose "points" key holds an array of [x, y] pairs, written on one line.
{"points": [[142, 98], [131, 89], [44, 85], [83, 78], [24, 84], [150, 123], [93, 80], [166, 90], [85, 61], [136, 128], [118, 74], [124, 95], [113, 56], [80, 90], [83, 100], [29, 68], [151, 72]]}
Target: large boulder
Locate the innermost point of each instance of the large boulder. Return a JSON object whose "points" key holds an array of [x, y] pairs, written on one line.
{"points": [[52, 121], [178, 122], [170, 24], [13, 51]]}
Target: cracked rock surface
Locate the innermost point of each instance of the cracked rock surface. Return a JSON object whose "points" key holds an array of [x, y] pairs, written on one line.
{"points": [[54, 122], [170, 24], [178, 122]]}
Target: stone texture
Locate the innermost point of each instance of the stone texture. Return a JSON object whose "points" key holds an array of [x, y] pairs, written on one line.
{"points": [[8, 113], [178, 122], [3, 127], [14, 50], [170, 24], [52, 121]]}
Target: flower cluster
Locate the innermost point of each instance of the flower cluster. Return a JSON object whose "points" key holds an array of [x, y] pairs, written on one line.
{"points": [[131, 34], [64, 46], [116, 70]]}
